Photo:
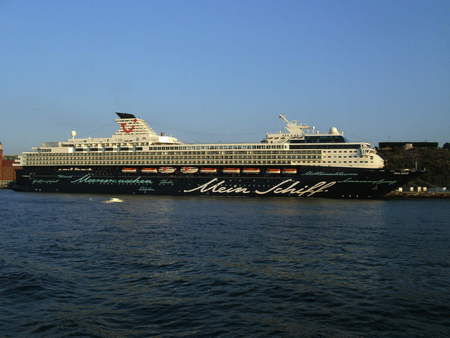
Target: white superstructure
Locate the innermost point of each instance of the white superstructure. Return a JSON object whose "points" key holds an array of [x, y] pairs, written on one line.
{"points": [[136, 144]]}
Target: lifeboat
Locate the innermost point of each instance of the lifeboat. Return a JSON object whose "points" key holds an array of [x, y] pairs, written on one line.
{"points": [[273, 170], [289, 171], [167, 170], [149, 170], [208, 170], [189, 170], [251, 171], [231, 170], [129, 170]]}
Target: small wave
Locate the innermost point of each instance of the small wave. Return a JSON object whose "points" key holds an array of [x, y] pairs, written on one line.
{"points": [[113, 200]]}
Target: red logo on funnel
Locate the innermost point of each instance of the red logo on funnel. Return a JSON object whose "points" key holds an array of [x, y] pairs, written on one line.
{"points": [[128, 130]]}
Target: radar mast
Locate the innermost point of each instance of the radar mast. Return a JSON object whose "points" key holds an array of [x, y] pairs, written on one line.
{"points": [[293, 127]]}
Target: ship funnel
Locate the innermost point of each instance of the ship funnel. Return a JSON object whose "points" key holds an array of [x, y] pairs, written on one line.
{"points": [[125, 115]]}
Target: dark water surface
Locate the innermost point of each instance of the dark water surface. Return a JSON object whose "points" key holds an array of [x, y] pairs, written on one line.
{"points": [[71, 265]]}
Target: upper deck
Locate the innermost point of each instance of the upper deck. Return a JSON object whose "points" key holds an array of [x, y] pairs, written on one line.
{"points": [[136, 143]]}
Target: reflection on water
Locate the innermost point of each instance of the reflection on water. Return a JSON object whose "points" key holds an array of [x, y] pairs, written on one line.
{"points": [[175, 266]]}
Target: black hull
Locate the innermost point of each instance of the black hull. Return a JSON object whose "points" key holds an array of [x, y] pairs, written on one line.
{"points": [[309, 182]]}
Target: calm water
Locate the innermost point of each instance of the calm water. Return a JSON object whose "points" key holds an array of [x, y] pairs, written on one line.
{"points": [[72, 265]]}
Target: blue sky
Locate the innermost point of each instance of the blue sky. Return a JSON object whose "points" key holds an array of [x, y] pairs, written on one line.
{"points": [[222, 71]]}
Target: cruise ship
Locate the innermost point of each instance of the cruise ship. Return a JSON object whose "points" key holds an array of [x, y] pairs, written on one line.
{"points": [[298, 162]]}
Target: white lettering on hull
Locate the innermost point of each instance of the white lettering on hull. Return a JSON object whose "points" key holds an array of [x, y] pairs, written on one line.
{"points": [[293, 189], [218, 188], [286, 187], [90, 180], [377, 182]]}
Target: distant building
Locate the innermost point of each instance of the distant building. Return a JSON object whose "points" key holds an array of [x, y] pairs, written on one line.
{"points": [[407, 145], [446, 146], [7, 171]]}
